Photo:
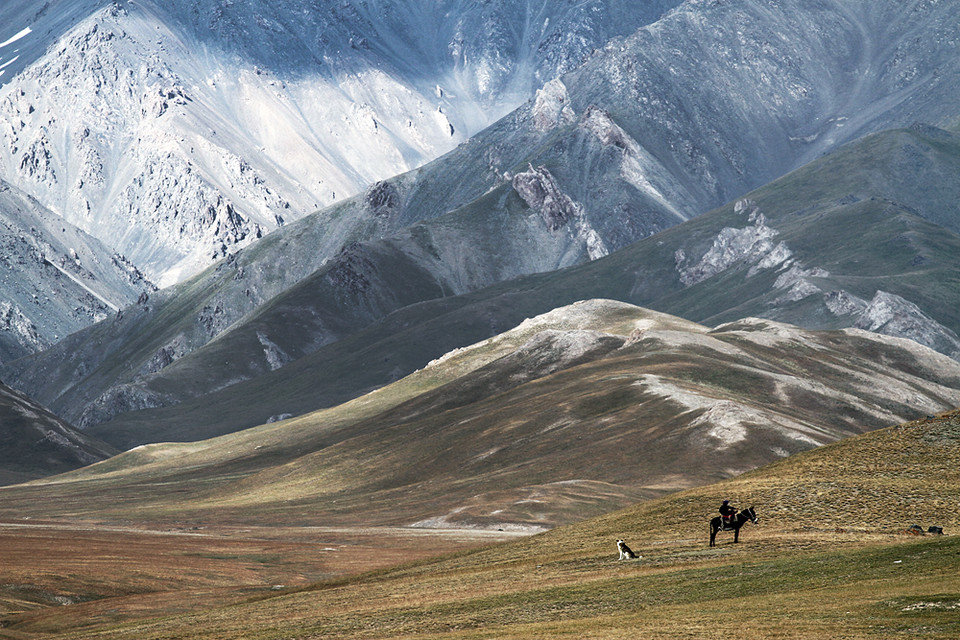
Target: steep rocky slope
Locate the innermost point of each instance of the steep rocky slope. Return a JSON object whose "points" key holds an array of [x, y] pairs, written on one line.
{"points": [[176, 132], [56, 279]]}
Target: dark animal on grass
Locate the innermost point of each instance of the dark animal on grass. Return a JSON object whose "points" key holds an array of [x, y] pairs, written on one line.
{"points": [[626, 553], [737, 521]]}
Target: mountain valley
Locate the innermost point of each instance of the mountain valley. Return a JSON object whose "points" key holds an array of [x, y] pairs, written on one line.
{"points": [[826, 516], [370, 318]]}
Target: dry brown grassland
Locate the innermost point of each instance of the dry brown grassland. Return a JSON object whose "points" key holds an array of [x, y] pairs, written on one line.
{"points": [[829, 559]]}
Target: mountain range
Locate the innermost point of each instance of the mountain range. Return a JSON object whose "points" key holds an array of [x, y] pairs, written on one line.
{"points": [[654, 129], [763, 255], [635, 141], [176, 132], [198, 126]]}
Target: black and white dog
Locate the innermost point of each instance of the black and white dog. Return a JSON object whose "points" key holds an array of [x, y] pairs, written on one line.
{"points": [[626, 553]]}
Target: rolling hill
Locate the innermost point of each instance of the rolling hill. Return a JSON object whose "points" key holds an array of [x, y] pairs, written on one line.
{"points": [[831, 555], [572, 413]]}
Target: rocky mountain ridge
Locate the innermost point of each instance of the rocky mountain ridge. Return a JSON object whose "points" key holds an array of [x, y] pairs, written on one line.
{"points": [[35, 443], [195, 127], [56, 278]]}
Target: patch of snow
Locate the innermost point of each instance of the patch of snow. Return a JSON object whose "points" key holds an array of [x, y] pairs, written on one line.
{"points": [[726, 420], [21, 34], [725, 423], [449, 521]]}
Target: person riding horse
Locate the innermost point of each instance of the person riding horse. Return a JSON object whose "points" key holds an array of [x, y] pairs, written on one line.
{"points": [[727, 511], [736, 520]]}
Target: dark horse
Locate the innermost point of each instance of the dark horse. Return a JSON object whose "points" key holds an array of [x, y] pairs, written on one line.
{"points": [[737, 521]]}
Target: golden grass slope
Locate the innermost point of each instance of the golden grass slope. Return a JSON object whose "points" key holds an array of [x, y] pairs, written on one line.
{"points": [[829, 559]]}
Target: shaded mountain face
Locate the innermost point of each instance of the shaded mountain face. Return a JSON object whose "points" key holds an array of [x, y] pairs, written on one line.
{"points": [[176, 132], [35, 443], [570, 414]]}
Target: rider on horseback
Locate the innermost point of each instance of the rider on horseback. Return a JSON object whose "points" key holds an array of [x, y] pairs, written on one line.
{"points": [[727, 511]]}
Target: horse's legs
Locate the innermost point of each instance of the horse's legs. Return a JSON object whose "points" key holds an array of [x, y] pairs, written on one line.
{"points": [[736, 535], [713, 536]]}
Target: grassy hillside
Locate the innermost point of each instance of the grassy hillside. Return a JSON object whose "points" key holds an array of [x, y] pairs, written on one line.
{"points": [[829, 558], [574, 413]]}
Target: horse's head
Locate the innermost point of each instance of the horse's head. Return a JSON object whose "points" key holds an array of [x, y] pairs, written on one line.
{"points": [[751, 513]]}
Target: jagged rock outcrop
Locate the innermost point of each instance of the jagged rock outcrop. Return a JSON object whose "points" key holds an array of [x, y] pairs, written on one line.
{"points": [[551, 106], [541, 192], [166, 355], [751, 244], [14, 324], [127, 397], [383, 198], [892, 315], [539, 189]]}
